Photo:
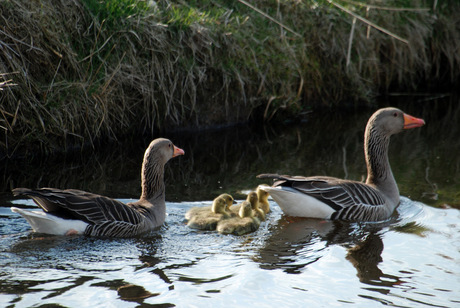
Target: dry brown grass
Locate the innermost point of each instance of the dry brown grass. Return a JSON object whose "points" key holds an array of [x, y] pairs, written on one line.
{"points": [[80, 78]]}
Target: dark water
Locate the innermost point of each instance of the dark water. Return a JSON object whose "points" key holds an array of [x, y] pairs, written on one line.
{"points": [[412, 260]]}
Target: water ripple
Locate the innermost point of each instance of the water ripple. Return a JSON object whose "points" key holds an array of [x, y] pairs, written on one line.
{"points": [[313, 261]]}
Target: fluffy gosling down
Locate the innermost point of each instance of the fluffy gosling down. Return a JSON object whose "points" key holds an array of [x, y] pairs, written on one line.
{"points": [[253, 199], [207, 217], [262, 196], [244, 223]]}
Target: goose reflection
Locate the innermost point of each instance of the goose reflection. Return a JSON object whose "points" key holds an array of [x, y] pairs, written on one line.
{"points": [[294, 243], [148, 255], [297, 242], [365, 257], [134, 293]]}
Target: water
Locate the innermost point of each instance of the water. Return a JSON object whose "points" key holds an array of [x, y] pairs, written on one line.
{"points": [[411, 260]]}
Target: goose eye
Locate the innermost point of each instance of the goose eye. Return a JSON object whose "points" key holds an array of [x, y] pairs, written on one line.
{"points": [[395, 114]]}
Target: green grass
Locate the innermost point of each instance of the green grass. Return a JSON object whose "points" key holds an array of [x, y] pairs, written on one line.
{"points": [[102, 70], [114, 12]]}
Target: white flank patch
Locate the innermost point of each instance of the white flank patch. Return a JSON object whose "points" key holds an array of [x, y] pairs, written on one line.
{"points": [[46, 223], [295, 203]]}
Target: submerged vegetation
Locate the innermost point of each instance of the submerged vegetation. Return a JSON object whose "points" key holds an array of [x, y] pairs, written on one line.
{"points": [[76, 72]]}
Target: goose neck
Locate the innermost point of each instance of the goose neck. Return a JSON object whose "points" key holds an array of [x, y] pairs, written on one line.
{"points": [[152, 179], [379, 171]]}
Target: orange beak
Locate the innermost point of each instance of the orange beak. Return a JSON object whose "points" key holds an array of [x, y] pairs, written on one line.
{"points": [[178, 151], [412, 122]]}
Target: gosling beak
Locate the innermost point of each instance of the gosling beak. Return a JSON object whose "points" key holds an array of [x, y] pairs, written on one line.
{"points": [[178, 151], [412, 122]]}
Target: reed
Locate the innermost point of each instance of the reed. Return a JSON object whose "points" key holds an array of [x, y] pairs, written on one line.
{"points": [[86, 71]]}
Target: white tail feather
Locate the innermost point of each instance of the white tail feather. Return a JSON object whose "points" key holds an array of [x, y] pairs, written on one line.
{"points": [[294, 203], [42, 222]]}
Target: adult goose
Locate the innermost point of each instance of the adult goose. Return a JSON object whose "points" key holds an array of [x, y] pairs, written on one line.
{"points": [[331, 198], [71, 211]]}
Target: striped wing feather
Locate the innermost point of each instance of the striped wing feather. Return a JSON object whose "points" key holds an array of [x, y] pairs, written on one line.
{"points": [[351, 200], [76, 204]]}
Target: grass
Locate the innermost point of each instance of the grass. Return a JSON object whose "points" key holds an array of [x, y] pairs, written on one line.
{"points": [[94, 70]]}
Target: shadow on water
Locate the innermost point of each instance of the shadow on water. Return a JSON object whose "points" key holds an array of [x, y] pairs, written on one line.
{"points": [[425, 160]]}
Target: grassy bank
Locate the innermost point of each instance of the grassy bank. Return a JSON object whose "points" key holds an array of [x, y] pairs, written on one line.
{"points": [[76, 72]]}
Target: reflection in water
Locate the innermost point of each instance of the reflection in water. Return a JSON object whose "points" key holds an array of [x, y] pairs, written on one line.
{"points": [[365, 257], [134, 293], [295, 243], [293, 239], [148, 256], [229, 160]]}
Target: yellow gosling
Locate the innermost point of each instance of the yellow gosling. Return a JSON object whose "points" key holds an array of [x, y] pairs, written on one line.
{"points": [[254, 201], [245, 210], [251, 198], [199, 210], [243, 224], [206, 218], [263, 200], [222, 203]]}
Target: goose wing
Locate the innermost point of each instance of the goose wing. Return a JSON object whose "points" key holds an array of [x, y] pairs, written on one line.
{"points": [[350, 199], [77, 204]]}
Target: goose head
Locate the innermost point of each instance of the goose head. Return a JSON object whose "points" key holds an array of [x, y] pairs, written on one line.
{"points": [[222, 203], [228, 199], [158, 153], [390, 121], [219, 206]]}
